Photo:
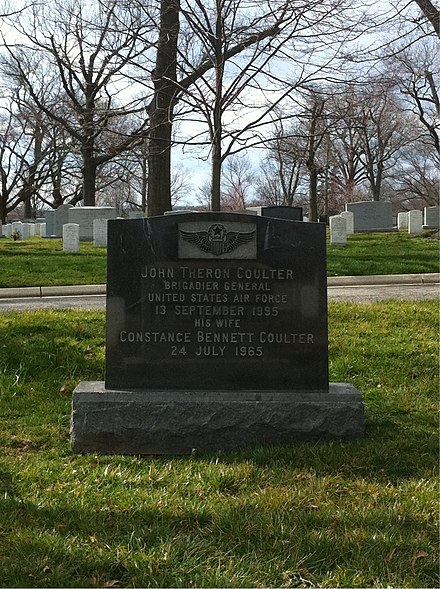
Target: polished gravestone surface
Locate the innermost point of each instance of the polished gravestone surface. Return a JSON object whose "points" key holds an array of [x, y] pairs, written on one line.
{"points": [[216, 304], [216, 338]]}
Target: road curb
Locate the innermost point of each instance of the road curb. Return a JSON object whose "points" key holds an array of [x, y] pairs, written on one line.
{"points": [[52, 291], [100, 289], [381, 280]]}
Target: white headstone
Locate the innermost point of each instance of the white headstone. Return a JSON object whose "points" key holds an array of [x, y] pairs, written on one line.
{"points": [[28, 230], [338, 230], [1, 229], [37, 228], [349, 218], [100, 232], [7, 230], [415, 222], [402, 221], [17, 229], [42, 229], [71, 237]]}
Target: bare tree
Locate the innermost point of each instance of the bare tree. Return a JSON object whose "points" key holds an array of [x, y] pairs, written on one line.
{"points": [[90, 49], [416, 178], [224, 65], [415, 72], [238, 183]]}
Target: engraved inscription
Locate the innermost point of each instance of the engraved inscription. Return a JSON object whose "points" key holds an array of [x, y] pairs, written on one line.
{"points": [[234, 312]]}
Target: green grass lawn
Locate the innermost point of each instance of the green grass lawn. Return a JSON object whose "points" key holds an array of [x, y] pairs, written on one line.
{"points": [[330, 514], [42, 262], [383, 253]]}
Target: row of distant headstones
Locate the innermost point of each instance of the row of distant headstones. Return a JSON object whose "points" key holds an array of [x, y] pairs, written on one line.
{"points": [[414, 222], [365, 216], [71, 232]]}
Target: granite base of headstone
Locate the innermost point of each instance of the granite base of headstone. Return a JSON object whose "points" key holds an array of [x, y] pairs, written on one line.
{"points": [[216, 338], [181, 422]]}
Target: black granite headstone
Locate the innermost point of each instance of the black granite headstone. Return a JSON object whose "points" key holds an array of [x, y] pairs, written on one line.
{"points": [[216, 302], [216, 339]]}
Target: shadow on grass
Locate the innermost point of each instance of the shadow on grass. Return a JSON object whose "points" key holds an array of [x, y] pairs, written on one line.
{"points": [[392, 450]]}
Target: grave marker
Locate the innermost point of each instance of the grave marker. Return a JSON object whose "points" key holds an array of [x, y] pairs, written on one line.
{"points": [[349, 219], [27, 230], [402, 221], [216, 338], [338, 230], [431, 217], [100, 232], [84, 217], [17, 229], [415, 222], [49, 215], [71, 237], [371, 216]]}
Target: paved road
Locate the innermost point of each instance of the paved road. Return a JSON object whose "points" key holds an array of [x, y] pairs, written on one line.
{"points": [[353, 293], [370, 293]]}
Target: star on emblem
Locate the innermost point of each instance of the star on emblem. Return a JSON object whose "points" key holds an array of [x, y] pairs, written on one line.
{"points": [[217, 240]]}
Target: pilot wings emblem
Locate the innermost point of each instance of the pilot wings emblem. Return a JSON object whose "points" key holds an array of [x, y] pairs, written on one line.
{"points": [[217, 240]]}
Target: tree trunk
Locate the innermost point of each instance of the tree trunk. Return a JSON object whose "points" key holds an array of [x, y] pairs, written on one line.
{"points": [[431, 12], [27, 201], [161, 110], [144, 184], [3, 212], [89, 180], [313, 172], [217, 130], [216, 171]]}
